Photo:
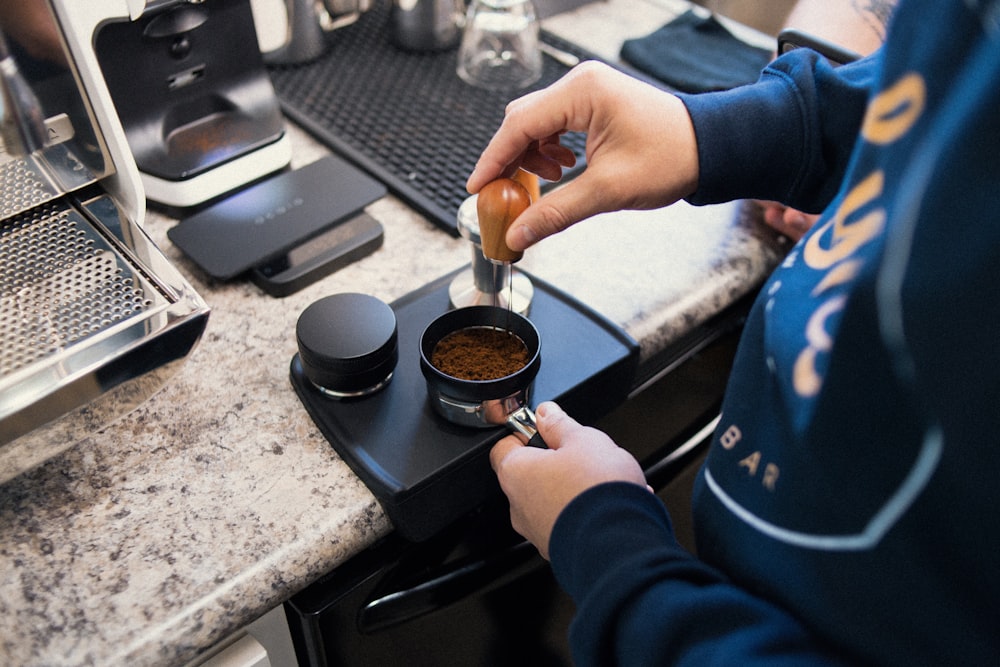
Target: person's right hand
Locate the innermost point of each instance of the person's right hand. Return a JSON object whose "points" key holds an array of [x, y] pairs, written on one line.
{"points": [[541, 482], [641, 150]]}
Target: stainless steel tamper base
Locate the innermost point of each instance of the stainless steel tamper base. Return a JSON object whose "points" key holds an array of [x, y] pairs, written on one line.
{"points": [[464, 291], [477, 285]]}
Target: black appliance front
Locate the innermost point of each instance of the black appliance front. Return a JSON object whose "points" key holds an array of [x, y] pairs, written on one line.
{"points": [[189, 85], [477, 594]]}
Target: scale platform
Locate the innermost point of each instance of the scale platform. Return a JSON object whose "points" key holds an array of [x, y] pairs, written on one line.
{"points": [[427, 472]]}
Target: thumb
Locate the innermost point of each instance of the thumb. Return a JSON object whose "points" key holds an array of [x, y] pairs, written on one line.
{"points": [[554, 425], [556, 211]]}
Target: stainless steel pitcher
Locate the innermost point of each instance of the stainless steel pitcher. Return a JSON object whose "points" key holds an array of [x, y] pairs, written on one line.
{"points": [[308, 22], [426, 25]]}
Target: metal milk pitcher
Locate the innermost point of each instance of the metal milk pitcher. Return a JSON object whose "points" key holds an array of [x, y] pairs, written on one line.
{"points": [[426, 25]]}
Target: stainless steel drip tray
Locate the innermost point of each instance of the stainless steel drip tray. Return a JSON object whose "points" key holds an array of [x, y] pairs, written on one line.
{"points": [[92, 321]]}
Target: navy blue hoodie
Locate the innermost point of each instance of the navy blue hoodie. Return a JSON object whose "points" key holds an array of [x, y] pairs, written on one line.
{"points": [[849, 508]]}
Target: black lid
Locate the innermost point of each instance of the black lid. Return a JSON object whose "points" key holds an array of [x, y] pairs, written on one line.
{"points": [[347, 343]]}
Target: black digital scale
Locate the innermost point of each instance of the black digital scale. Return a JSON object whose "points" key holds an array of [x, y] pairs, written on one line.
{"points": [[428, 472]]}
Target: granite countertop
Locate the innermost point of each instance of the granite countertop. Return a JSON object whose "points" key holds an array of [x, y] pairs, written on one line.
{"points": [[218, 498]]}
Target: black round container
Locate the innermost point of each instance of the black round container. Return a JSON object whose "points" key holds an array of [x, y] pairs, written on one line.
{"points": [[348, 344], [480, 390]]}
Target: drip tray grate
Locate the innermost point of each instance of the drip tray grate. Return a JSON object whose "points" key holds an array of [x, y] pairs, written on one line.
{"points": [[59, 283], [404, 117]]}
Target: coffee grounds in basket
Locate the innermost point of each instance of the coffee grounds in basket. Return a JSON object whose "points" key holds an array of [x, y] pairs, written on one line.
{"points": [[479, 353]]}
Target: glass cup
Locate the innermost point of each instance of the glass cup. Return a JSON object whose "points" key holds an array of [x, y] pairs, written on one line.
{"points": [[499, 48]]}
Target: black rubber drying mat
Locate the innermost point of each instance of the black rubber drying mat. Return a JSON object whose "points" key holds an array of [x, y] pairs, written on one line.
{"points": [[404, 117]]}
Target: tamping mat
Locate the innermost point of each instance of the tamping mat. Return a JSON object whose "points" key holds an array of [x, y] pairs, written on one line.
{"points": [[404, 117], [427, 472]]}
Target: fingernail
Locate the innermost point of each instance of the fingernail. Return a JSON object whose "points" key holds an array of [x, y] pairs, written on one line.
{"points": [[793, 217], [546, 409]]}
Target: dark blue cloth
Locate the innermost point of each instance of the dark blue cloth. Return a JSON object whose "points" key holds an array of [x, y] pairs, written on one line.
{"points": [[696, 54]]}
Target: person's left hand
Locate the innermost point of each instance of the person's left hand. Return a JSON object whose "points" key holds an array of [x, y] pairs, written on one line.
{"points": [[789, 221], [540, 483]]}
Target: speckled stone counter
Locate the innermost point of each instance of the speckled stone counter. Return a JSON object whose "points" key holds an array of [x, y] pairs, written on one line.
{"points": [[218, 499]]}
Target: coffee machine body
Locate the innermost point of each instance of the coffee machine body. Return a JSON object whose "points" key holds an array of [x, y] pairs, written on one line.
{"points": [[93, 318]]}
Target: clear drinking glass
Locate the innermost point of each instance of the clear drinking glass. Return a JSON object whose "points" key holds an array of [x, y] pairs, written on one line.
{"points": [[500, 45]]}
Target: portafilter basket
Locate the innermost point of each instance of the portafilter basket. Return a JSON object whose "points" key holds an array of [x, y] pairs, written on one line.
{"points": [[484, 403]]}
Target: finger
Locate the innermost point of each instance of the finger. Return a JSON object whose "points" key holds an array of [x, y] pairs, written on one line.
{"points": [[548, 160], [502, 449], [556, 211], [557, 152], [535, 117], [555, 425], [507, 149]]}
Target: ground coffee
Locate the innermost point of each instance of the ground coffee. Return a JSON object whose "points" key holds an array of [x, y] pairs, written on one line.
{"points": [[480, 353]]}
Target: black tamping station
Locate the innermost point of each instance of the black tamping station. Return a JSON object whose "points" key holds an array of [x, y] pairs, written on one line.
{"points": [[425, 470]]}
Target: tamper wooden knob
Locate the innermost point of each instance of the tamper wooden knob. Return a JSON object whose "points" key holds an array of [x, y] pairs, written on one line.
{"points": [[498, 205]]}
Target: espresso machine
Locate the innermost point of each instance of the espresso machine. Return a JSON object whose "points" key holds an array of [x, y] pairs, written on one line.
{"points": [[93, 318]]}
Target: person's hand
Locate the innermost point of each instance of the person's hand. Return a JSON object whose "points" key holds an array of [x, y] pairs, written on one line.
{"points": [[641, 150], [789, 221], [540, 483]]}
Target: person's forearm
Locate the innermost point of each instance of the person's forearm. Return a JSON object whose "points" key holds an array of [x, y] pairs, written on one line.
{"points": [[644, 601], [786, 138]]}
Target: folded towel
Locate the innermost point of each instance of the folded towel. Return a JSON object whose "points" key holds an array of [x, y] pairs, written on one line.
{"points": [[695, 54]]}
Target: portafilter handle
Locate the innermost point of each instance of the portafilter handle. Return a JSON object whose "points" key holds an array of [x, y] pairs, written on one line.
{"points": [[522, 422]]}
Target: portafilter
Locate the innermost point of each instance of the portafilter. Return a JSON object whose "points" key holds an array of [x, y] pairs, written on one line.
{"points": [[484, 403]]}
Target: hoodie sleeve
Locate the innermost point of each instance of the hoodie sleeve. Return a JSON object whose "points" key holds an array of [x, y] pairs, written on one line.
{"points": [[642, 600], [788, 137]]}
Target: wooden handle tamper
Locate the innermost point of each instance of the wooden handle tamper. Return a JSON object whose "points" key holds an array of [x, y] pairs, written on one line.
{"points": [[498, 205]]}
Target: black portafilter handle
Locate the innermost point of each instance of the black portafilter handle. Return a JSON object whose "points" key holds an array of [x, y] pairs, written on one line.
{"points": [[522, 422]]}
